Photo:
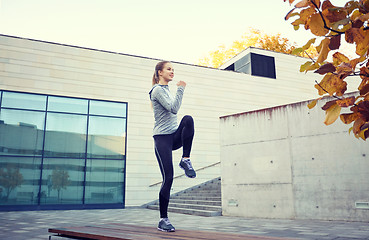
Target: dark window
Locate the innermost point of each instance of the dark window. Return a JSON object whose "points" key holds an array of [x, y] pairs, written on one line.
{"points": [[262, 66], [256, 65]]}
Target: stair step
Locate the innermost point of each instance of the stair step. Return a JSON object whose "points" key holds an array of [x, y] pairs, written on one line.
{"points": [[198, 198], [204, 213], [211, 203], [195, 206]]}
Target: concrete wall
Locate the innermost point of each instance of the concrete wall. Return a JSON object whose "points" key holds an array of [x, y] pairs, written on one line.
{"points": [[48, 68], [283, 162]]}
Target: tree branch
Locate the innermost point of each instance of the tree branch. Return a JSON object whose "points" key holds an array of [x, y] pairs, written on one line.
{"points": [[327, 91], [325, 23], [309, 57]]}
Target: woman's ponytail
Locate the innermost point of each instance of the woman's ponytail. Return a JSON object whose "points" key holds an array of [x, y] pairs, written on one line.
{"points": [[158, 67]]}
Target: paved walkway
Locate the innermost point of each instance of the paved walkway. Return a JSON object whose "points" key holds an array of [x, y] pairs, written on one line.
{"points": [[32, 225]]}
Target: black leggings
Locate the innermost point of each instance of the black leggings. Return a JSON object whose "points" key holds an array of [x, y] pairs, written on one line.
{"points": [[164, 145]]}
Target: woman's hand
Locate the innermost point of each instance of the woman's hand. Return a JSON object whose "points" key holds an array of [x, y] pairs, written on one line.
{"points": [[181, 83]]}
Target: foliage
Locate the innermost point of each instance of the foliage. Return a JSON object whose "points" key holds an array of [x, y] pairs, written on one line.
{"points": [[10, 178], [253, 38], [60, 180], [334, 24]]}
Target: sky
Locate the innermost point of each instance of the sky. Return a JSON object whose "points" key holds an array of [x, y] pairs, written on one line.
{"points": [[182, 31]]}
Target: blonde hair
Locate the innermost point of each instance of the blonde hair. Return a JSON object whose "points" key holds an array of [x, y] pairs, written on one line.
{"points": [[158, 67]]}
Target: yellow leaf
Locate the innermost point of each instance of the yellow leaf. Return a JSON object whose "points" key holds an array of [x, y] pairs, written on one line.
{"points": [[332, 84], [302, 4], [304, 66], [316, 25], [339, 58], [362, 134], [312, 104], [348, 118], [308, 44], [331, 114], [324, 50]]}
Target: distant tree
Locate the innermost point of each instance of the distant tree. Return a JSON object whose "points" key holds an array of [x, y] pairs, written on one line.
{"points": [[60, 180], [330, 23], [10, 178], [253, 38]]}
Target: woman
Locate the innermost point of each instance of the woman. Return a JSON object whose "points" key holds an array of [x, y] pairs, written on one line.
{"points": [[168, 136]]}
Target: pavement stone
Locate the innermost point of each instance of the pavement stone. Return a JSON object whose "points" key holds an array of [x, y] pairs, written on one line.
{"points": [[33, 225]]}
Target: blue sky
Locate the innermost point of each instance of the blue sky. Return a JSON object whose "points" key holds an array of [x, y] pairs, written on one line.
{"points": [[182, 31]]}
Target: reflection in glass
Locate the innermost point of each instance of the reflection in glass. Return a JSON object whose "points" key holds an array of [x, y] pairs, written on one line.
{"points": [[104, 181], [62, 181], [108, 108], [21, 132], [71, 105], [65, 135], [106, 137], [63, 153], [24, 100], [19, 180]]}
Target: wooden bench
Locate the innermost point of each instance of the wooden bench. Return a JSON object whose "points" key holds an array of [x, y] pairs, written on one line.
{"points": [[116, 231]]}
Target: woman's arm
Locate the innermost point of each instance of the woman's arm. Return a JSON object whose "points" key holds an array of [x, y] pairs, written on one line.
{"points": [[166, 101]]}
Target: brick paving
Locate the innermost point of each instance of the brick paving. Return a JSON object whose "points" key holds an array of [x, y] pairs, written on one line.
{"points": [[33, 225]]}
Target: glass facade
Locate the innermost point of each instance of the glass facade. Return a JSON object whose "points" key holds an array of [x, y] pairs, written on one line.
{"points": [[61, 152]]}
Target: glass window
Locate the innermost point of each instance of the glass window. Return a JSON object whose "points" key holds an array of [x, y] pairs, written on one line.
{"points": [[104, 181], [24, 100], [65, 135], [106, 137], [69, 105], [262, 66], [62, 181], [73, 171], [19, 177], [21, 132], [108, 108]]}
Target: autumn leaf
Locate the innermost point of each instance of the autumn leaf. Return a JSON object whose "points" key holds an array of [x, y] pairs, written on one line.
{"points": [[339, 58], [335, 42], [329, 104], [326, 68], [344, 70], [308, 66], [348, 118], [364, 90], [316, 25], [324, 50], [312, 103], [362, 42], [331, 114], [346, 102], [332, 84], [357, 125], [302, 4], [332, 13]]}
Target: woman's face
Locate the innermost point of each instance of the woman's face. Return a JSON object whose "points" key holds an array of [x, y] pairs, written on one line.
{"points": [[167, 73]]}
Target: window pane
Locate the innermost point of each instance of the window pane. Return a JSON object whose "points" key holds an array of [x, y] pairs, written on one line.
{"points": [[24, 100], [62, 181], [108, 108], [21, 132], [19, 177], [106, 137], [71, 105], [104, 181], [65, 135]]}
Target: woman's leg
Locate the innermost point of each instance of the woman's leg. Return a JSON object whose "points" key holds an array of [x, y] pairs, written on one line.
{"points": [[184, 135], [183, 138], [163, 152]]}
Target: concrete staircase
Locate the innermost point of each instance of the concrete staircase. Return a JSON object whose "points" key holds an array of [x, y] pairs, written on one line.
{"points": [[200, 200]]}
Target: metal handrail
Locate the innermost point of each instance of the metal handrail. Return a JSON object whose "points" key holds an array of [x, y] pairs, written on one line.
{"points": [[181, 175]]}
